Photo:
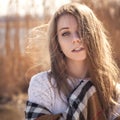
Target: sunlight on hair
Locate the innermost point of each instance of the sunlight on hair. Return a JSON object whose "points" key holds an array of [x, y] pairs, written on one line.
{"points": [[36, 49]]}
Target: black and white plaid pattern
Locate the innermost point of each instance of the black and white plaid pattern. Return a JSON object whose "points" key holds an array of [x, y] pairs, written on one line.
{"points": [[34, 111], [77, 102]]}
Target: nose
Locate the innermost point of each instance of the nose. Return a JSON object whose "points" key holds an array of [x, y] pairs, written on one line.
{"points": [[76, 39]]}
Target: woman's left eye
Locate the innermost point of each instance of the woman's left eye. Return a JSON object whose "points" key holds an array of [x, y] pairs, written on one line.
{"points": [[65, 34]]}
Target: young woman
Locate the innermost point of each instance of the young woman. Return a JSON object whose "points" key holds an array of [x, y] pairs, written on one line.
{"points": [[82, 83]]}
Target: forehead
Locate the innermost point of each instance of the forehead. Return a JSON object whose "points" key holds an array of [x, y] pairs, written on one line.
{"points": [[66, 20]]}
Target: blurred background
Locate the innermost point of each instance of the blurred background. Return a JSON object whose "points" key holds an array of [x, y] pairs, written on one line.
{"points": [[20, 30]]}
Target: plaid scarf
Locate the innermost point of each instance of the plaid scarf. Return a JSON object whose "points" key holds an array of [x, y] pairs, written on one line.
{"points": [[83, 105]]}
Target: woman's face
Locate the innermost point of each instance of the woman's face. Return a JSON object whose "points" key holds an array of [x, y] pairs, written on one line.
{"points": [[69, 39]]}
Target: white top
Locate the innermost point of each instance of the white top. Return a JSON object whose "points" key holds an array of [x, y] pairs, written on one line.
{"points": [[44, 93]]}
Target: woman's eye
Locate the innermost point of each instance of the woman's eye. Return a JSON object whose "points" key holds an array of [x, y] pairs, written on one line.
{"points": [[66, 34]]}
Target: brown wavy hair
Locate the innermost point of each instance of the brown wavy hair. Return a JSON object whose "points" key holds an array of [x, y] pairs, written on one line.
{"points": [[102, 67]]}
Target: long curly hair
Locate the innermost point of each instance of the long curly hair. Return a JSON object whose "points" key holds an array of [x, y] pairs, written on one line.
{"points": [[103, 70]]}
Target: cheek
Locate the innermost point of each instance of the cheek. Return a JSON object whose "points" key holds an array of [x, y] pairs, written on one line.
{"points": [[65, 50], [63, 45], [60, 45]]}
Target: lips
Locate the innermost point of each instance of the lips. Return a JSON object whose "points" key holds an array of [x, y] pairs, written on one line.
{"points": [[78, 49]]}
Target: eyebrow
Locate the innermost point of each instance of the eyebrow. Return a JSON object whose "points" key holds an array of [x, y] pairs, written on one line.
{"points": [[63, 28]]}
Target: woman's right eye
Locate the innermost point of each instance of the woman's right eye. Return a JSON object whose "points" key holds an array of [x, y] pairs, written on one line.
{"points": [[65, 34]]}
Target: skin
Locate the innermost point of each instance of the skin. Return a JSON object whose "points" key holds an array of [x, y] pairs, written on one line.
{"points": [[72, 46]]}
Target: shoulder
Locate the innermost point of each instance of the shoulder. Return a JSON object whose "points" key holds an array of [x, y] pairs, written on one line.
{"points": [[39, 78], [40, 88]]}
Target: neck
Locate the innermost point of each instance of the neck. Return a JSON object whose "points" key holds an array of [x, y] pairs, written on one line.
{"points": [[77, 69]]}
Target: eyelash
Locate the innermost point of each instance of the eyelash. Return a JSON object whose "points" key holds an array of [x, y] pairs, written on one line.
{"points": [[65, 34]]}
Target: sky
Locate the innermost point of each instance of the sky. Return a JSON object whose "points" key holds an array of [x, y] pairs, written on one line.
{"points": [[25, 5]]}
